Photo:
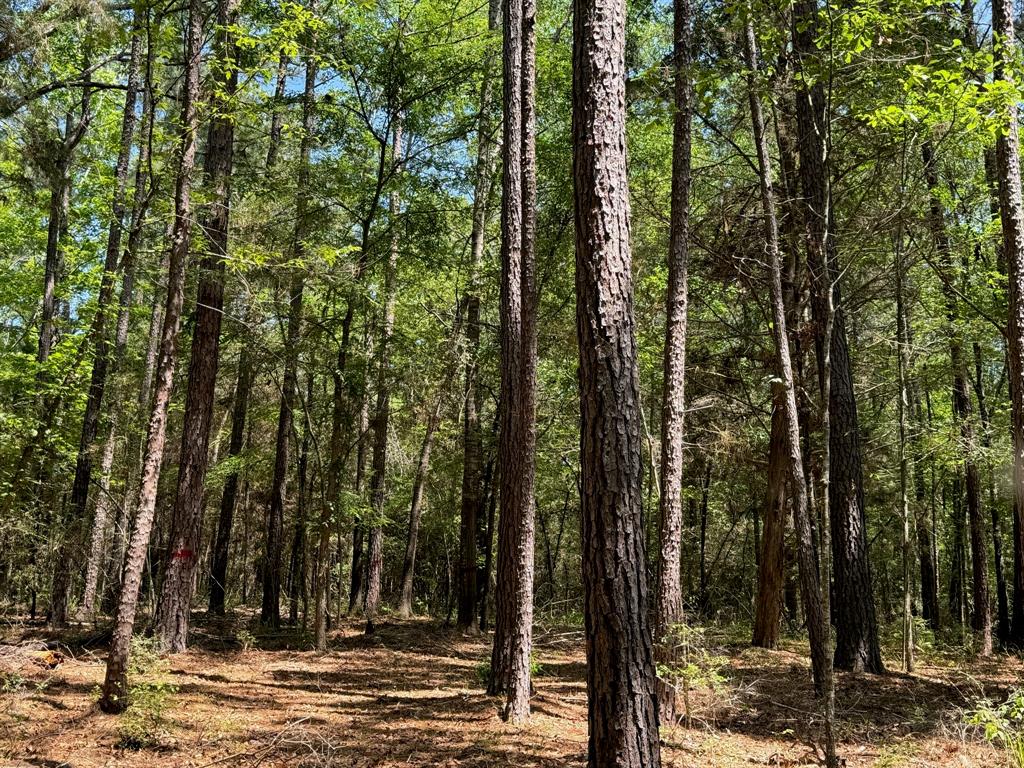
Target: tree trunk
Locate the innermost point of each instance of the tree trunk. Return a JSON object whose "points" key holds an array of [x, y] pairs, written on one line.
{"points": [[297, 562], [513, 631], [222, 544], [472, 442], [114, 697], [810, 580], [622, 702], [669, 599], [1002, 599], [772, 558], [99, 337], [857, 646], [175, 602], [382, 413], [902, 403], [981, 619], [270, 611], [416, 507]]}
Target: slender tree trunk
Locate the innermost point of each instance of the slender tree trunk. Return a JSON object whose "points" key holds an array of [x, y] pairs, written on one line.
{"points": [[669, 598], [857, 646], [382, 413], [297, 562], [175, 601], [472, 441], [99, 338], [622, 701], [140, 202], [902, 404], [513, 631], [114, 697], [270, 611], [810, 579], [1002, 598], [222, 544], [416, 507], [981, 620]]}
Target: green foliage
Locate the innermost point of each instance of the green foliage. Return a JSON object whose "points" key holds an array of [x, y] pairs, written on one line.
{"points": [[144, 725], [1003, 725]]}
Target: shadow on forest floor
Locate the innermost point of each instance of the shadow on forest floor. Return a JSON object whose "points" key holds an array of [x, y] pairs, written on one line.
{"points": [[411, 695]]}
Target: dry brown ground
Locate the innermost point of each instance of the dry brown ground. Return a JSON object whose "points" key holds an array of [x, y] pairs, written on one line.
{"points": [[410, 696]]}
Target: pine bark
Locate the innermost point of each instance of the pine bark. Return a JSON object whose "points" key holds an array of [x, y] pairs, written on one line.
{"points": [[115, 685], [513, 630], [857, 647], [669, 599], [175, 601], [622, 707]]}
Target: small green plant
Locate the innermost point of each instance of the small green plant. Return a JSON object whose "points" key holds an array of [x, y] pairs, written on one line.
{"points": [[1003, 725], [246, 639], [149, 690], [11, 682], [685, 663]]}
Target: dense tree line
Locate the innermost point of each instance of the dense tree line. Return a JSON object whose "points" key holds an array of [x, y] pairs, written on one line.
{"points": [[287, 301]]}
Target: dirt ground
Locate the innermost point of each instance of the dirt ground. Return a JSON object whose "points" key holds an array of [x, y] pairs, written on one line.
{"points": [[410, 695]]}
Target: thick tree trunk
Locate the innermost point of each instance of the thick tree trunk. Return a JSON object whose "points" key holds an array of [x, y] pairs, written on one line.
{"points": [[622, 702], [175, 602], [669, 599], [114, 697], [513, 630], [857, 646], [270, 610], [382, 412]]}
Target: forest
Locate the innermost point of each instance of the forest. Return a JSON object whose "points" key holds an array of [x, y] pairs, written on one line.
{"points": [[511, 382]]}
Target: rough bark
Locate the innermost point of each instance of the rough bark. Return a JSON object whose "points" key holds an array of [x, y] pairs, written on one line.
{"points": [[513, 629], [115, 685], [622, 705], [669, 600], [771, 564], [857, 647], [175, 601]]}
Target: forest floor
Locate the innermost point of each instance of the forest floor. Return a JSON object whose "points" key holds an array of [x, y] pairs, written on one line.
{"points": [[410, 695]]}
